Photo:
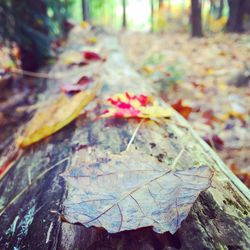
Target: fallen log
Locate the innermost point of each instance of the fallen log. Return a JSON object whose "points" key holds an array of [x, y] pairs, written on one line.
{"points": [[34, 192]]}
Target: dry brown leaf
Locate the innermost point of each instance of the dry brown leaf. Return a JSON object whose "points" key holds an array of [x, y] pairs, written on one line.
{"points": [[130, 190]]}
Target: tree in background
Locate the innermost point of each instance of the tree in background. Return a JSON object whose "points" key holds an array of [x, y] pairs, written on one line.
{"points": [[85, 10], [124, 15], [221, 7], [152, 14], [236, 15], [160, 3], [196, 20], [216, 8]]}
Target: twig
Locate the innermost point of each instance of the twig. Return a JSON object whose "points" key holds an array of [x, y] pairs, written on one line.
{"points": [[35, 74], [134, 134], [31, 183], [56, 75]]}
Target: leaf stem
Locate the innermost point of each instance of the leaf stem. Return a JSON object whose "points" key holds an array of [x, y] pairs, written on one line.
{"points": [[134, 134], [177, 158]]}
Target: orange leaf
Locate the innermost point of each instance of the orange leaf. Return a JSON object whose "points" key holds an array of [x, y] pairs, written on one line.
{"points": [[183, 110]]}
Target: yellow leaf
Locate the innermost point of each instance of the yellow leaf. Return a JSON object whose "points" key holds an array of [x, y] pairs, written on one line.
{"points": [[210, 71], [84, 24], [92, 40], [235, 114], [52, 118], [148, 69], [222, 86], [155, 112]]}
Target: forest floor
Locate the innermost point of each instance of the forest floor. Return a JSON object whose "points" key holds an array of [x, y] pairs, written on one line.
{"points": [[207, 80]]}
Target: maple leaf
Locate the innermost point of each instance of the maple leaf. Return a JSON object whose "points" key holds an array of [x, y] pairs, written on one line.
{"points": [[52, 118], [134, 106], [130, 190], [80, 85], [183, 110]]}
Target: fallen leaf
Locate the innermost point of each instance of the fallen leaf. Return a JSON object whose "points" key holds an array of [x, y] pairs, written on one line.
{"points": [[135, 106], [76, 58], [234, 114], [72, 58], [84, 25], [129, 191], [183, 110], [81, 85], [215, 141], [52, 118], [209, 117], [92, 40], [244, 176], [91, 56]]}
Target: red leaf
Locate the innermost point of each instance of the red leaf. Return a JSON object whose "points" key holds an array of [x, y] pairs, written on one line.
{"points": [[210, 118], [85, 80], [91, 56], [200, 87], [81, 85], [215, 141], [136, 106], [183, 110], [218, 142], [124, 107]]}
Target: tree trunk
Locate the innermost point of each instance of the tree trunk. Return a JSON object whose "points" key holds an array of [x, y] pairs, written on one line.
{"points": [[169, 10], [221, 7], [236, 15], [196, 20], [152, 15], [34, 193], [124, 14], [160, 3], [212, 7], [85, 10]]}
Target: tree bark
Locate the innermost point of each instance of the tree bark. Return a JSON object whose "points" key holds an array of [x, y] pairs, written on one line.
{"points": [[31, 219], [196, 19], [236, 15], [124, 14], [85, 10]]}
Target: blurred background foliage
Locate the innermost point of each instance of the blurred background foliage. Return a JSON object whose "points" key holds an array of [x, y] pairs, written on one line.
{"points": [[34, 24]]}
